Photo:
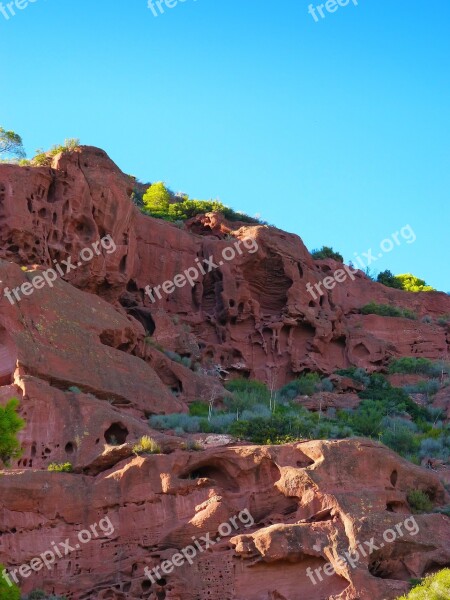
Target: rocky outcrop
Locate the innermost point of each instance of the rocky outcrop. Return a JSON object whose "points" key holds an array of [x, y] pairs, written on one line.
{"points": [[250, 316], [309, 503], [91, 357]]}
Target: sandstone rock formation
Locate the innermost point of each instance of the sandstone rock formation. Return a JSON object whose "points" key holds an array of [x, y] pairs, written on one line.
{"points": [[84, 358], [252, 316], [310, 503]]}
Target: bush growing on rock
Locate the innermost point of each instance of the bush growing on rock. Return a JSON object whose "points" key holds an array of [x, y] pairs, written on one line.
{"points": [[327, 252], [10, 425], [60, 467], [423, 387], [388, 279], [387, 310], [419, 501], [357, 374], [406, 282], [161, 203], [435, 448], [385, 413], [419, 365], [434, 587], [401, 438], [411, 283], [305, 385], [44, 158], [8, 592], [147, 445]]}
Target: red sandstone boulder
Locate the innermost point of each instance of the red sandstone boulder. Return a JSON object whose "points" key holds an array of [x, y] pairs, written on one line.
{"points": [[301, 506]]}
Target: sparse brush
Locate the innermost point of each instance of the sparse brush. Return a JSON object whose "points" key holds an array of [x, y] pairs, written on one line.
{"points": [[419, 501], [147, 445], [60, 467]]}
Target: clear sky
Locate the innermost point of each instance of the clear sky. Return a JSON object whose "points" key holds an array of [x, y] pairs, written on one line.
{"points": [[337, 130]]}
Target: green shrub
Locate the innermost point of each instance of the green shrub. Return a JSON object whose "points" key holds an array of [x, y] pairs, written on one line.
{"points": [[246, 393], [247, 386], [157, 198], [418, 365], [147, 445], [305, 385], [434, 587], [186, 362], [10, 425], [176, 420], [74, 389], [327, 252], [8, 592], [419, 501], [390, 280], [217, 423], [198, 409], [276, 429], [430, 387], [357, 374], [60, 467], [161, 203], [401, 439], [191, 446], [387, 310], [444, 320], [443, 510], [44, 158], [435, 447], [392, 400]]}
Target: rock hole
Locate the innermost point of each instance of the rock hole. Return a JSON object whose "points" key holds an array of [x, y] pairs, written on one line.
{"points": [[394, 476], [116, 434], [70, 448]]}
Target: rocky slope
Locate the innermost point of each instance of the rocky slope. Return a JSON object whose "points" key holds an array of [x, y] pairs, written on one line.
{"points": [[82, 357]]}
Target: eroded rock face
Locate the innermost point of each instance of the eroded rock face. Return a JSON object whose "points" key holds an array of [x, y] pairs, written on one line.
{"points": [[85, 358], [82, 373], [300, 505], [251, 316]]}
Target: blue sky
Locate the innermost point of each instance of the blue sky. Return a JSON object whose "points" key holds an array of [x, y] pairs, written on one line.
{"points": [[337, 130]]}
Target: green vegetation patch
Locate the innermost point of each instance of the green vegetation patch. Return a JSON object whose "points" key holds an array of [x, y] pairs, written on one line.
{"points": [[434, 587], [387, 310], [161, 203]]}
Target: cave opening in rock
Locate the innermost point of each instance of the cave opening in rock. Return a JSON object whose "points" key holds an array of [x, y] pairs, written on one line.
{"points": [[145, 318], [394, 476], [116, 434], [216, 474], [70, 448]]}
